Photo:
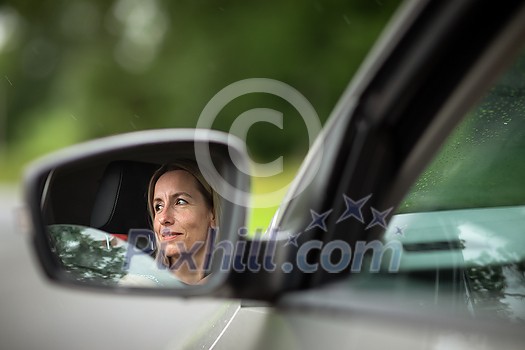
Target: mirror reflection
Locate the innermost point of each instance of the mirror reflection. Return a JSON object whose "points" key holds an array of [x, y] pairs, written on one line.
{"points": [[93, 256], [184, 211], [133, 223]]}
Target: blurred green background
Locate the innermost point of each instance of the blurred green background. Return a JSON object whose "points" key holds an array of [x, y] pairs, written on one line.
{"points": [[76, 70]]}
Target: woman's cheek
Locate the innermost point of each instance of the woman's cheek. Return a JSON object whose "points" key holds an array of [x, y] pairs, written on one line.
{"points": [[156, 225], [189, 219]]}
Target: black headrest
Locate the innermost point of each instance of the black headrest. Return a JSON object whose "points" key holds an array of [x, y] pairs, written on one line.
{"points": [[121, 200]]}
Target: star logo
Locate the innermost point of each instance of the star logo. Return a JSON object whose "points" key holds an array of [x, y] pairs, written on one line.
{"points": [[292, 239], [353, 209], [318, 220], [378, 218], [399, 231]]}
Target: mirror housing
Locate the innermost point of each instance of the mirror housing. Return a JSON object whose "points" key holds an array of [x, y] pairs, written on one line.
{"points": [[79, 191]]}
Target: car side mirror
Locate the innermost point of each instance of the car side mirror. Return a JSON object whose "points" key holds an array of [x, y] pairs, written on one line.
{"points": [[152, 210]]}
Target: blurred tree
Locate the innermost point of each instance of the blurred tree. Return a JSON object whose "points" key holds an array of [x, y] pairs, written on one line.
{"points": [[75, 70]]}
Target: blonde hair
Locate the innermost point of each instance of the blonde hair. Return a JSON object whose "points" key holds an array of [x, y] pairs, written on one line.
{"points": [[210, 195]]}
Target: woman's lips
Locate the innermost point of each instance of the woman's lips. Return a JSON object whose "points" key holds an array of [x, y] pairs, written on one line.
{"points": [[168, 235]]}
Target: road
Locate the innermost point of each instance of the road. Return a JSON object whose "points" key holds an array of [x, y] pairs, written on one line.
{"points": [[10, 204]]}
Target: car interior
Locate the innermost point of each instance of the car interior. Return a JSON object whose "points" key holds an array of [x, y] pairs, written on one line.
{"points": [[110, 197]]}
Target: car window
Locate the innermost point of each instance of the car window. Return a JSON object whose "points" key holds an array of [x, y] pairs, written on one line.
{"points": [[462, 224], [481, 164]]}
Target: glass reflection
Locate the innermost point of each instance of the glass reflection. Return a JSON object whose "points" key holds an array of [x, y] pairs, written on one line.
{"points": [[92, 256]]}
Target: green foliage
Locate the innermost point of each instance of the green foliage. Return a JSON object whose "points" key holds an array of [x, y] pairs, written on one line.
{"points": [[80, 70], [76, 70], [87, 259]]}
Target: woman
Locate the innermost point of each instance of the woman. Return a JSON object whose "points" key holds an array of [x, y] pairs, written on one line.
{"points": [[183, 208]]}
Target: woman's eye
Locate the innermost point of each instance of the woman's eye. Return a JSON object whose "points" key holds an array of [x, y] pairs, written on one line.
{"points": [[157, 207], [181, 201]]}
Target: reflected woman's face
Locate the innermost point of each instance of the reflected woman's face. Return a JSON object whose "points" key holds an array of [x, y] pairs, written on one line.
{"points": [[181, 213]]}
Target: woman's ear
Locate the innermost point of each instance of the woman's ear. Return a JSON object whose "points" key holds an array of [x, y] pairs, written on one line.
{"points": [[212, 220]]}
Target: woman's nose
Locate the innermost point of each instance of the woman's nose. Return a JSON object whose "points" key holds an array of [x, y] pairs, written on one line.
{"points": [[165, 218]]}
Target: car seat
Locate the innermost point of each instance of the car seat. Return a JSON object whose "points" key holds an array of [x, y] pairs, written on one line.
{"points": [[121, 200]]}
